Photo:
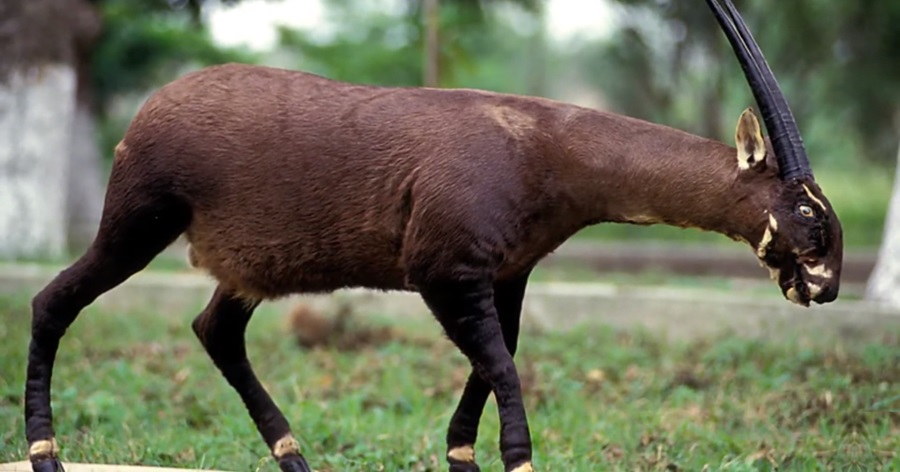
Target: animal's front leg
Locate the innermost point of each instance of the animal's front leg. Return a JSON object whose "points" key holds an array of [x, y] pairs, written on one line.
{"points": [[467, 312], [463, 430]]}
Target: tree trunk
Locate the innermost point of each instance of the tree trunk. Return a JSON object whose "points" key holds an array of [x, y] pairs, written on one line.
{"points": [[85, 181], [537, 57], [431, 24], [884, 283], [37, 106]]}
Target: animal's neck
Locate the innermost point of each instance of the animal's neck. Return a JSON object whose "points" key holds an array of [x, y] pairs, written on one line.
{"points": [[632, 171]]}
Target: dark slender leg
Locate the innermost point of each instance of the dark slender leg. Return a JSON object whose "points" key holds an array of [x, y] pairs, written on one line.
{"points": [[467, 312], [220, 328], [123, 246], [463, 430]]}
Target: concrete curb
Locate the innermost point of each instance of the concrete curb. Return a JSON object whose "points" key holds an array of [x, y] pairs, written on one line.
{"points": [[676, 313], [25, 466]]}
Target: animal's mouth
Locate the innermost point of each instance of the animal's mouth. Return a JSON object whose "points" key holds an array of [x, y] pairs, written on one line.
{"points": [[795, 287]]}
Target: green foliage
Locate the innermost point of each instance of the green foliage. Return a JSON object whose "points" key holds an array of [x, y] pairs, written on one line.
{"points": [[145, 42], [136, 388], [383, 52], [839, 64], [477, 50]]}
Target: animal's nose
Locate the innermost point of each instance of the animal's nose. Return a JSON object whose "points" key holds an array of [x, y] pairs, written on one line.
{"points": [[828, 294]]}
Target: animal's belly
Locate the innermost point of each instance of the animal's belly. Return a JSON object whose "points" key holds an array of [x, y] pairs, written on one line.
{"points": [[274, 269]]}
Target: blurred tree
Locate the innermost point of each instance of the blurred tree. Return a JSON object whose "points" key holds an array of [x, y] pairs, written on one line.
{"points": [[838, 61], [652, 65], [390, 48], [885, 279], [39, 41], [432, 50], [84, 183], [145, 43]]}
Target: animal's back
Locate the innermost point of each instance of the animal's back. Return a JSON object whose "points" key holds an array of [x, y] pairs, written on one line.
{"points": [[300, 183]]}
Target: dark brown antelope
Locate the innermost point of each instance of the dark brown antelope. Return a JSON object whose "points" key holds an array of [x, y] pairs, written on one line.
{"points": [[285, 182]]}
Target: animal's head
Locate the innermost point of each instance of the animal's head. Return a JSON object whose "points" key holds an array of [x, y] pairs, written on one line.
{"points": [[802, 243]]}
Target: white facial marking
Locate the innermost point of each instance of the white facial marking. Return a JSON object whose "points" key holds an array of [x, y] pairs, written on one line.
{"points": [[767, 237], [774, 274], [813, 197], [818, 271], [814, 289], [462, 454], [43, 447], [793, 296], [284, 446]]}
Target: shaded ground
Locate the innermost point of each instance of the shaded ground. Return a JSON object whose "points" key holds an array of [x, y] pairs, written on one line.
{"points": [[135, 388]]}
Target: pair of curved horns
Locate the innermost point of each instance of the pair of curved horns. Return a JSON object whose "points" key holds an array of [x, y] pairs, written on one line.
{"points": [[776, 113]]}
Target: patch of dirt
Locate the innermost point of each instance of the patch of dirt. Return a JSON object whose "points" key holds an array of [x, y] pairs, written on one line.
{"points": [[689, 377], [341, 330]]}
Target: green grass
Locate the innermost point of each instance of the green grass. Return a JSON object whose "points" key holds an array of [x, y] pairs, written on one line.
{"points": [[136, 388]]}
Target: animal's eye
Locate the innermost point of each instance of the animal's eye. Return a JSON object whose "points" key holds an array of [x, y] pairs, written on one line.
{"points": [[806, 211]]}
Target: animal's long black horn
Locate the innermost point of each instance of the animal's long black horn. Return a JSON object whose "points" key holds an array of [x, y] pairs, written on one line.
{"points": [[776, 113]]}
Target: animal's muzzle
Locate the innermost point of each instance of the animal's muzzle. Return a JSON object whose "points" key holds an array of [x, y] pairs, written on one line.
{"points": [[827, 295]]}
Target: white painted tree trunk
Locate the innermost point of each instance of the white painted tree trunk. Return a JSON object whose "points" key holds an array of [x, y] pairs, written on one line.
{"points": [[884, 283], [85, 181], [37, 108]]}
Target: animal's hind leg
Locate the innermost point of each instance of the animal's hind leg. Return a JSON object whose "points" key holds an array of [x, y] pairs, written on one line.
{"points": [[127, 241], [463, 430], [220, 328]]}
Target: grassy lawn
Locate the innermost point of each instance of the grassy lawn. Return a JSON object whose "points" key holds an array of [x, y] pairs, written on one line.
{"points": [[136, 388]]}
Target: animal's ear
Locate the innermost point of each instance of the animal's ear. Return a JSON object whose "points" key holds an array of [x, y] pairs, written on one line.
{"points": [[751, 149]]}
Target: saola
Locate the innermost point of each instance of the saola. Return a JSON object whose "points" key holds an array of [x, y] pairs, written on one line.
{"points": [[285, 182]]}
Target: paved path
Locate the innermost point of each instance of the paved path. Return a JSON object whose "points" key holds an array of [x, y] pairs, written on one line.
{"points": [[677, 313], [70, 467]]}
